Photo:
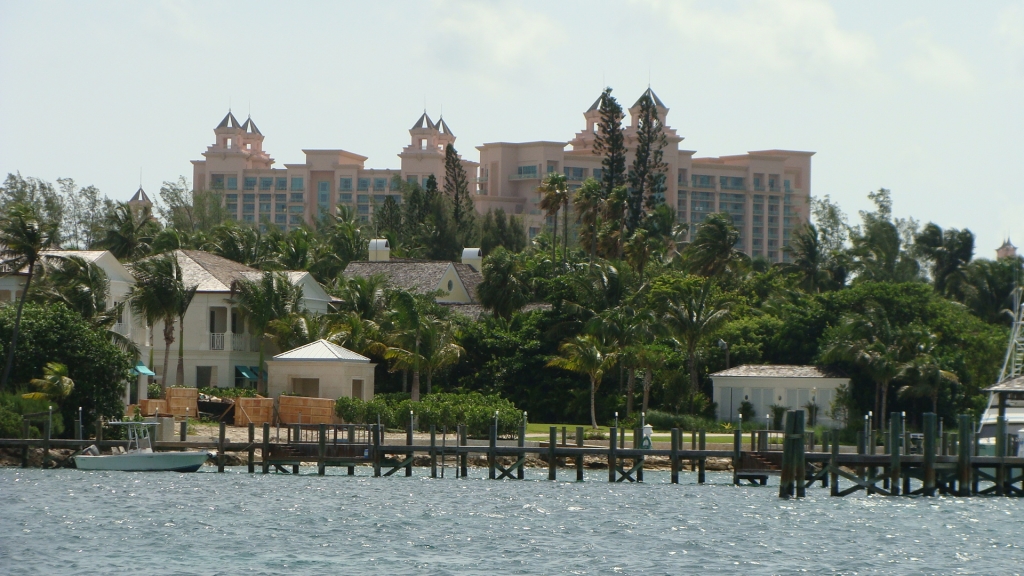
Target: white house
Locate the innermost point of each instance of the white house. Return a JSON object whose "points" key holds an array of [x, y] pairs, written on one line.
{"points": [[791, 386], [220, 347], [321, 370]]}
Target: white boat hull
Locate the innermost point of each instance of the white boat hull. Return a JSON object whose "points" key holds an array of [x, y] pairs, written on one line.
{"points": [[144, 462]]}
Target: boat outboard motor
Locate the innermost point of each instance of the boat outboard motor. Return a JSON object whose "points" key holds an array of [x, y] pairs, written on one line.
{"points": [[92, 450]]}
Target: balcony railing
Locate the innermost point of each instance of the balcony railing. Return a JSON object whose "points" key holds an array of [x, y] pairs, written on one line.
{"points": [[216, 341], [526, 176], [481, 179], [707, 185], [122, 328], [244, 343]]}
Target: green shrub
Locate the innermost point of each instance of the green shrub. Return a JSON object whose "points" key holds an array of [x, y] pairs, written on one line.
{"points": [[229, 392], [442, 410], [154, 391], [14, 406], [350, 410]]}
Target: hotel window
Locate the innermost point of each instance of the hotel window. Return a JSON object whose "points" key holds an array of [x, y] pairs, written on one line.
{"points": [[295, 219], [378, 198], [345, 198], [323, 186], [363, 184], [296, 209], [345, 184], [280, 197], [266, 183], [248, 218], [527, 171], [231, 197], [380, 184], [574, 174], [702, 181], [265, 197], [731, 183], [598, 173], [396, 197], [249, 182], [297, 183], [412, 179], [363, 198], [681, 179], [280, 218], [297, 197], [265, 208], [248, 197], [323, 199], [280, 207], [364, 209], [232, 183], [281, 184], [231, 207], [217, 181], [248, 208]]}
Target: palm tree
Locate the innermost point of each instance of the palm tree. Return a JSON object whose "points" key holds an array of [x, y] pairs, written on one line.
{"points": [[691, 316], [808, 260], [154, 298], [949, 251], [358, 334], [129, 234], [554, 197], [405, 325], [183, 296], [24, 236], [880, 255], [54, 386], [587, 203], [363, 295], [713, 250], [503, 290], [638, 250], [439, 348], [585, 355], [924, 375], [301, 328], [270, 297]]}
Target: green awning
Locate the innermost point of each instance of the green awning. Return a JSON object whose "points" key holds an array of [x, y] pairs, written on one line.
{"points": [[140, 368], [244, 371], [255, 371]]}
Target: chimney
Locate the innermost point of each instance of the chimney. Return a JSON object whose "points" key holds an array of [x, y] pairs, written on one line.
{"points": [[380, 250], [474, 257]]}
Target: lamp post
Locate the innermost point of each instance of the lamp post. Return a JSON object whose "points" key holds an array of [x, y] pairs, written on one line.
{"points": [[724, 346]]}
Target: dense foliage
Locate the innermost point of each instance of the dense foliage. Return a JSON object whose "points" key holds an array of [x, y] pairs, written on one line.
{"points": [[444, 411]]}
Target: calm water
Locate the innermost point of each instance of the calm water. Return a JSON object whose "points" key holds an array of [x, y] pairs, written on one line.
{"points": [[72, 522]]}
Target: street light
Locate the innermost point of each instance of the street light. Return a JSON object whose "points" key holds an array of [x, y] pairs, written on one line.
{"points": [[724, 346]]}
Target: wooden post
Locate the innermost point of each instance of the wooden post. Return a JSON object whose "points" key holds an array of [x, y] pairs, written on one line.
{"points": [[893, 444], [183, 431], [78, 425], [693, 446], [974, 452], [613, 431], [433, 451], [929, 421], [464, 457], [552, 461], [963, 456], [252, 448], [564, 439], [520, 474], [579, 459], [674, 458], [99, 431], [491, 471], [375, 432], [737, 446], [220, 448], [833, 467], [622, 438], [321, 453], [786, 476], [409, 442], [351, 430], [1001, 445], [799, 462], [636, 445], [265, 456], [46, 444], [702, 461], [24, 449]]}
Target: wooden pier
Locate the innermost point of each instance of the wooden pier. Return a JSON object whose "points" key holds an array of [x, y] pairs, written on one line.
{"points": [[946, 465]]}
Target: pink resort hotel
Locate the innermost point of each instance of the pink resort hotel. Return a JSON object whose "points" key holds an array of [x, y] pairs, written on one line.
{"points": [[766, 192]]}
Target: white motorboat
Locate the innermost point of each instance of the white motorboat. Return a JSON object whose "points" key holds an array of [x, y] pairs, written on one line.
{"points": [[139, 455]]}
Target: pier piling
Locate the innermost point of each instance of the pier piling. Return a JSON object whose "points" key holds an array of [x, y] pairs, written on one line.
{"points": [[552, 460], [220, 448], [265, 456], [579, 458], [252, 448], [929, 422]]}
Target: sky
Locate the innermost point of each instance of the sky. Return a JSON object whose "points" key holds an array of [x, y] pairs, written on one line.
{"points": [[923, 98]]}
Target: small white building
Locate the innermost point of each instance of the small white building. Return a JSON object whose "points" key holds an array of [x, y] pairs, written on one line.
{"points": [[791, 386], [321, 370]]}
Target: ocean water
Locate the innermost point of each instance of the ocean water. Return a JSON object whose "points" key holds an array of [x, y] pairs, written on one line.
{"points": [[76, 522]]}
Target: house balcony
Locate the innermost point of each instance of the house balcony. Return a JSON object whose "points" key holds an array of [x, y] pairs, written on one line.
{"points": [[216, 341], [527, 176], [481, 179], [122, 328]]}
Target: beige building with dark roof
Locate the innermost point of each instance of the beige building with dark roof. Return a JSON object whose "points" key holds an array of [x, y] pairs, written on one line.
{"points": [[456, 281], [785, 385]]}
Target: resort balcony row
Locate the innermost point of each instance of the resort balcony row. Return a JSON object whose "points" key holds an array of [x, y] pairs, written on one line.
{"points": [[239, 342]]}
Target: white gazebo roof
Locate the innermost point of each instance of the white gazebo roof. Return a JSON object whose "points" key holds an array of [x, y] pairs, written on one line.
{"points": [[322, 350]]}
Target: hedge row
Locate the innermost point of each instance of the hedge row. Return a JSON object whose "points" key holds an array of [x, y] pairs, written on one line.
{"points": [[475, 410]]}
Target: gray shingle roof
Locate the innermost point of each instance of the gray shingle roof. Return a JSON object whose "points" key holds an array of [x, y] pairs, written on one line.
{"points": [[419, 276], [1011, 385], [780, 371]]}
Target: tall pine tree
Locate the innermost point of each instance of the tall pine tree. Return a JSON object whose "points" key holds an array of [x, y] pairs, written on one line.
{"points": [[456, 188], [611, 143], [647, 175]]}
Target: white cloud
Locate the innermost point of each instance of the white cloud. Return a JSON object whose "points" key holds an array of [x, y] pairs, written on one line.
{"points": [[494, 40], [937, 64], [1010, 30], [799, 37]]}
